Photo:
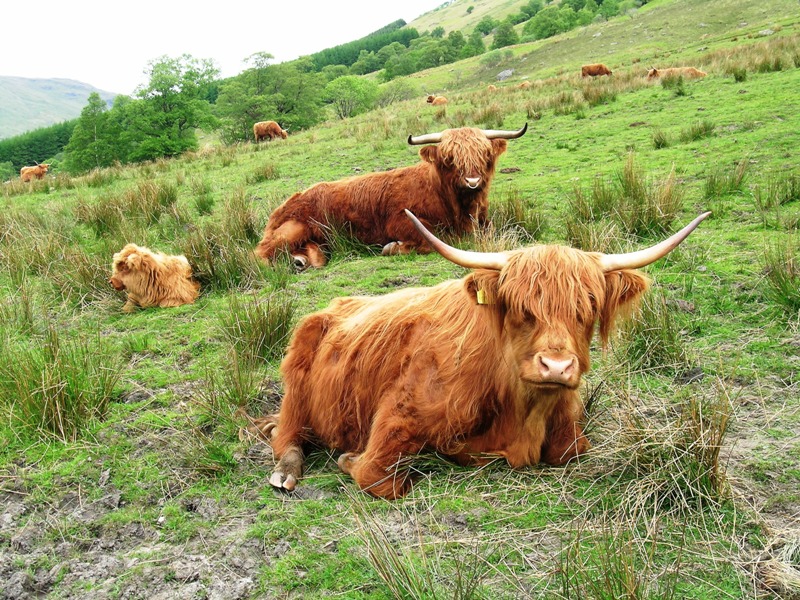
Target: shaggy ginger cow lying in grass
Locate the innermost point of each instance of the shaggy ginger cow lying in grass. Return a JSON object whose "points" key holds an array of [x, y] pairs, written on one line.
{"points": [[152, 278]]}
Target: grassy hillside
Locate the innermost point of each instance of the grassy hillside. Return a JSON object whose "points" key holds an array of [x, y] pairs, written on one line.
{"points": [[29, 104], [122, 474], [658, 34], [455, 15]]}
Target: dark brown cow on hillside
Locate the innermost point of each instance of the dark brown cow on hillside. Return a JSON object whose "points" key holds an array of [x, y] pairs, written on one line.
{"points": [[686, 72], [595, 70], [268, 130], [37, 172], [485, 365], [448, 189]]}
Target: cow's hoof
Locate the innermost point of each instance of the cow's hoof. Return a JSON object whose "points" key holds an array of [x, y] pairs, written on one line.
{"points": [[300, 263], [347, 460], [392, 248], [281, 480]]}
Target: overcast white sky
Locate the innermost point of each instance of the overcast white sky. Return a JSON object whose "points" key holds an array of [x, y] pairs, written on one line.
{"points": [[108, 43]]}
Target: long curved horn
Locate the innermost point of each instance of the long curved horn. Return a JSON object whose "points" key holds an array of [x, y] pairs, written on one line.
{"points": [[505, 134], [435, 138], [642, 258], [464, 258]]}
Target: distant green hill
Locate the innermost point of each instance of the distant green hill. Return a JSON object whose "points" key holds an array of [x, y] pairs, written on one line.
{"points": [[28, 104]]}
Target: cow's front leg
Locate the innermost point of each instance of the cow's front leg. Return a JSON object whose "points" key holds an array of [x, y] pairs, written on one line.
{"points": [[380, 469], [565, 439]]}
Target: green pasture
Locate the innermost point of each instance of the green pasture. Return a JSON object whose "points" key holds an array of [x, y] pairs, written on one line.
{"points": [[693, 410]]}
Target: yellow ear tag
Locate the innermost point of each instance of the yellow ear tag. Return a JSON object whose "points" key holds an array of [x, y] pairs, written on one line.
{"points": [[481, 296]]}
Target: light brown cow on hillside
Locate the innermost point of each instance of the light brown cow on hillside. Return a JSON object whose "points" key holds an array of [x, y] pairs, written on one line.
{"points": [[524, 85], [436, 100], [687, 72], [37, 172], [595, 70], [268, 130], [483, 366]]}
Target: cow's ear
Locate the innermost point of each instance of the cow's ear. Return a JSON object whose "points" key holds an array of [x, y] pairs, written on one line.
{"points": [[134, 260], [482, 286], [429, 153], [499, 146], [623, 290]]}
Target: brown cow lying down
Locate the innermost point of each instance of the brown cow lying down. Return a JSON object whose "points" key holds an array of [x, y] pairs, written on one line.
{"points": [[37, 172], [484, 366], [436, 100], [448, 189], [152, 278], [687, 72]]}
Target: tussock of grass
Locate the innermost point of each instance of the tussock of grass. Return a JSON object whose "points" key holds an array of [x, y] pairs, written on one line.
{"points": [[613, 560], [638, 205], [57, 388], [652, 338], [422, 570], [782, 270], [258, 328], [721, 181], [143, 205], [511, 210], [220, 262], [697, 131], [773, 197], [660, 139]]}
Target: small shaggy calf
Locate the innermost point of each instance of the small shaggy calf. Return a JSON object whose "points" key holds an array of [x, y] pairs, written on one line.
{"points": [[152, 278]]}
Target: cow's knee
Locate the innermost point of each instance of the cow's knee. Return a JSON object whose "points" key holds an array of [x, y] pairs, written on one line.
{"points": [[378, 480], [288, 236]]}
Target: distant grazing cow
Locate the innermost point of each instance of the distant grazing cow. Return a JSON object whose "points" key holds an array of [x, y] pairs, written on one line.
{"points": [[487, 365], [492, 88], [268, 130], [686, 72], [436, 100], [37, 172], [524, 85], [152, 278], [448, 189], [595, 70]]}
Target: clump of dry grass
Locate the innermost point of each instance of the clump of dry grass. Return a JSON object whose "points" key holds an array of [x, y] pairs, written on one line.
{"points": [[415, 568], [722, 180], [667, 452], [594, 235], [614, 560]]}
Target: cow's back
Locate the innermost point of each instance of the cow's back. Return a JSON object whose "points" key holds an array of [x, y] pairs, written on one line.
{"points": [[370, 205]]}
